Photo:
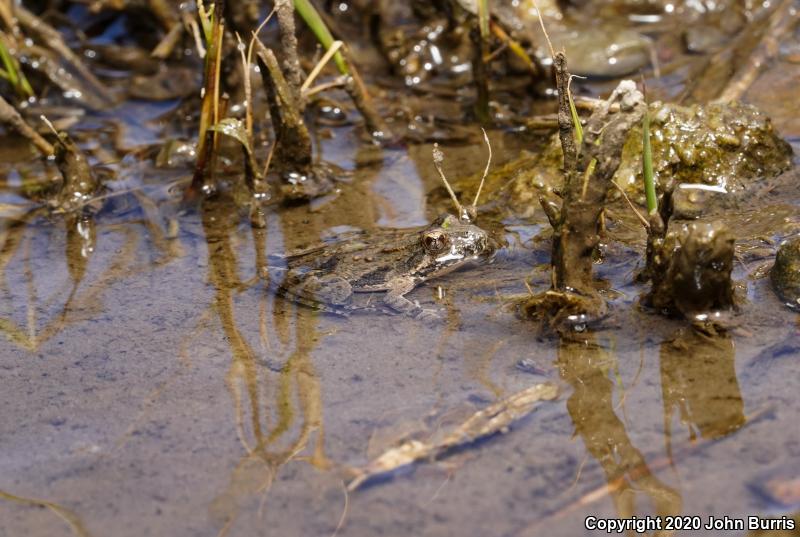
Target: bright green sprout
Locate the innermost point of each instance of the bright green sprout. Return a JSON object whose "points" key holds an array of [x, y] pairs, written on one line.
{"points": [[647, 166], [312, 18]]}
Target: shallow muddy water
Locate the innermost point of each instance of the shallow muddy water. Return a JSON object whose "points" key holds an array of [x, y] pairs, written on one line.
{"points": [[152, 384], [154, 387]]}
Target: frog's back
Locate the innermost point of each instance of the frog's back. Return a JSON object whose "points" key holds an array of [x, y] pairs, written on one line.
{"points": [[326, 276]]}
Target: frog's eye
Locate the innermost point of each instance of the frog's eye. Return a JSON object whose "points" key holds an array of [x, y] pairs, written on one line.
{"points": [[435, 241]]}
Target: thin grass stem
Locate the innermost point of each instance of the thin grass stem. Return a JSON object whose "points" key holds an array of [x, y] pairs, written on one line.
{"points": [[314, 21], [647, 166]]}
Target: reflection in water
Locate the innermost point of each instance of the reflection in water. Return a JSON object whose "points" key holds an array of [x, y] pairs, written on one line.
{"points": [[265, 436], [585, 366], [698, 376], [80, 244], [20, 234], [63, 513]]}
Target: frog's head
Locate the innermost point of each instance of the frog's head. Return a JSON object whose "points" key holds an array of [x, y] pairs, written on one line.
{"points": [[453, 240], [450, 241]]}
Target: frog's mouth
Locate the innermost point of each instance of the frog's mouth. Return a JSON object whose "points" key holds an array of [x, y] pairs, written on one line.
{"points": [[470, 247], [482, 247]]}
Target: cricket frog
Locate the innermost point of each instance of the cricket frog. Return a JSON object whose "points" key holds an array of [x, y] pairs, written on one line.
{"points": [[350, 274]]}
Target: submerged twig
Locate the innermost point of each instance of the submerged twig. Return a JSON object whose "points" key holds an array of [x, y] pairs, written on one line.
{"points": [[493, 419], [355, 87], [515, 47]]}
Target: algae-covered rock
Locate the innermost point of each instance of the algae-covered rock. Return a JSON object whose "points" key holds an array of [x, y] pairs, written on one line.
{"points": [[721, 148], [785, 274], [719, 145]]}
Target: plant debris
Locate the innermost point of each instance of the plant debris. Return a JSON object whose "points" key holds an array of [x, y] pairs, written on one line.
{"points": [[496, 418]]}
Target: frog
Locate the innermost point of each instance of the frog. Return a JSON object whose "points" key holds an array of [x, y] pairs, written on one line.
{"points": [[345, 275]]}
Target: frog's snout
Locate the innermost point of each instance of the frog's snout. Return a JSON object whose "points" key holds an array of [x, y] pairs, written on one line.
{"points": [[484, 245], [490, 246]]}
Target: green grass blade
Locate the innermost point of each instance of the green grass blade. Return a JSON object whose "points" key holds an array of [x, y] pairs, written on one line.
{"points": [[15, 75], [576, 120], [312, 18], [483, 19], [647, 166]]}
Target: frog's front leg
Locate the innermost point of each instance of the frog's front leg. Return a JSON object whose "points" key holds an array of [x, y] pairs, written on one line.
{"points": [[323, 291], [396, 300]]}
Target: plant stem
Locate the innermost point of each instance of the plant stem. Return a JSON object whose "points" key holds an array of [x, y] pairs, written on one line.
{"points": [[647, 166], [213, 30], [483, 19], [312, 18], [16, 77]]}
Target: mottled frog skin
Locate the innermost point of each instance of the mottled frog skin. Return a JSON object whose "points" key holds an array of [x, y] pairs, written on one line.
{"points": [[374, 271]]}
